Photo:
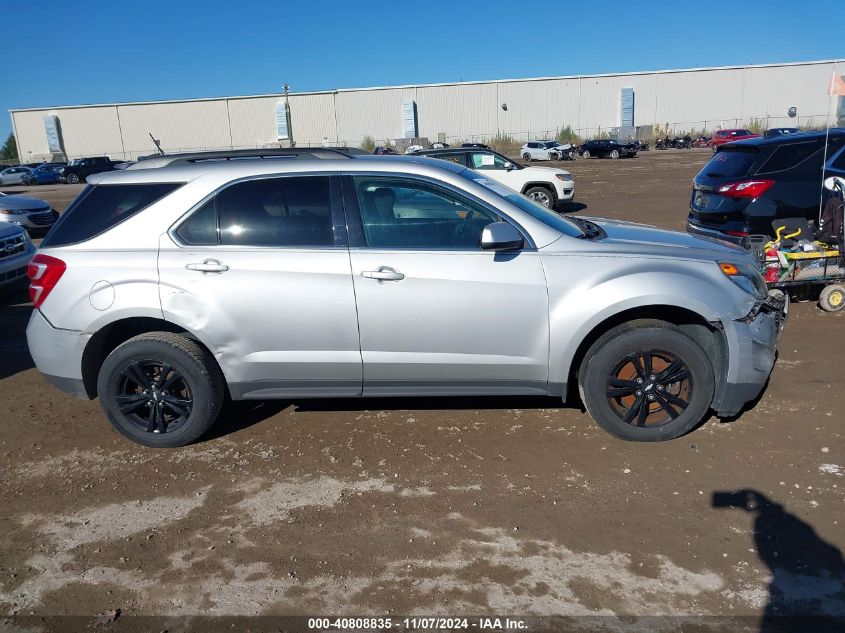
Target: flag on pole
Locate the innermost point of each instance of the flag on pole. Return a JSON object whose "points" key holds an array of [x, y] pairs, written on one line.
{"points": [[837, 85]]}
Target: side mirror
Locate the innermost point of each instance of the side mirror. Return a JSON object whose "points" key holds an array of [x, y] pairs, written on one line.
{"points": [[501, 236], [833, 183], [509, 166]]}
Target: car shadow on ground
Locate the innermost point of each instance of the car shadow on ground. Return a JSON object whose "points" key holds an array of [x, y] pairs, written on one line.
{"points": [[15, 309], [571, 207], [807, 588], [242, 414]]}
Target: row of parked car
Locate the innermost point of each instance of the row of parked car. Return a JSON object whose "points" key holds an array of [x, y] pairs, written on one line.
{"points": [[73, 172]]}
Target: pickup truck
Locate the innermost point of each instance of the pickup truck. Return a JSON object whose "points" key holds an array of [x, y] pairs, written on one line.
{"points": [[79, 169]]}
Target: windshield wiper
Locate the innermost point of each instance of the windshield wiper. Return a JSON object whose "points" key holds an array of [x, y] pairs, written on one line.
{"points": [[589, 229]]}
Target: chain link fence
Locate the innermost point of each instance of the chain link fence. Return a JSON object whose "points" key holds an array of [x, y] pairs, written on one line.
{"points": [[505, 141]]}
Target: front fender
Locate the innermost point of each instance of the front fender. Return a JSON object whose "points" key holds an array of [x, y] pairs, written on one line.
{"points": [[602, 288]]}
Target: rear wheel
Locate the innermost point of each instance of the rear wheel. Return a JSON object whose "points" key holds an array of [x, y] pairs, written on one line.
{"points": [[161, 389], [832, 298], [542, 196], [526, 157], [646, 381]]}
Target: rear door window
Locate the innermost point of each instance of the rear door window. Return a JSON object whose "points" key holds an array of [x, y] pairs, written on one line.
{"points": [[457, 158], [274, 212], [101, 207], [731, 163], [839, 162], [789, 155]]}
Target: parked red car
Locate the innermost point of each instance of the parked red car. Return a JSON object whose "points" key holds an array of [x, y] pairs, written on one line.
{"points": [[726, 136]]}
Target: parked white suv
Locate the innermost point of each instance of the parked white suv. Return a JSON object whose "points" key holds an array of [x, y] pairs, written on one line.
{"points": [[546, 185], [540, 150]]}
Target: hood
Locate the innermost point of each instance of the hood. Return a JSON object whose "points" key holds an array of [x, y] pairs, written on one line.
{"points": [[22, 202], [7, 229], [642, 239], [545, 170]]}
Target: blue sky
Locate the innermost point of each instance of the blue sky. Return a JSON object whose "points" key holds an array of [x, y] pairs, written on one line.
{"points": [[59, 53]]}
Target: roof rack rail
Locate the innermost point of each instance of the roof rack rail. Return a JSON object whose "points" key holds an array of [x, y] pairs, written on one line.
{"points": [[308, 153]]}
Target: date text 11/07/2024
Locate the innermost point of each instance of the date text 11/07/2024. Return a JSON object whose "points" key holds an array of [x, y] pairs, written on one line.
{"points": [[418, 623]]}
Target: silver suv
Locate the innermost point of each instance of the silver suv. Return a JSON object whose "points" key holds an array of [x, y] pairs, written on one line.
{"points": [[167, 286]]}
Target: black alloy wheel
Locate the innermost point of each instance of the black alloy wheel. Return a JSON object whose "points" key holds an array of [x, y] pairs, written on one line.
{"points": [[154, 396]]}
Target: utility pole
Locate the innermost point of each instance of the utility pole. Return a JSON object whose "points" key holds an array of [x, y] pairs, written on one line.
{"points": [[287, 117]]}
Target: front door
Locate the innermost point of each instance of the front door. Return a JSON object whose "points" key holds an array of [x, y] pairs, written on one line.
{"points": [[437, 314], [260, 273]]}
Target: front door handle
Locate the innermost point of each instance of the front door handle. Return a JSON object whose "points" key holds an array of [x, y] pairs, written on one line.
{"points": [[383, 273], [208, 266]]}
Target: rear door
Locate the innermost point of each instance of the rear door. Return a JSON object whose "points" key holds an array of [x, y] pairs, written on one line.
{"points": [[260, 272], [436, 313]]}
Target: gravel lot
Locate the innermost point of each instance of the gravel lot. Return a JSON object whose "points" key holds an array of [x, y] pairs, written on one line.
{"points": [[442, 506]]}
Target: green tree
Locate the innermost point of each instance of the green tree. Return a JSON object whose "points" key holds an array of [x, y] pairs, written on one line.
{"points": [[368, 144], [9, 151]]}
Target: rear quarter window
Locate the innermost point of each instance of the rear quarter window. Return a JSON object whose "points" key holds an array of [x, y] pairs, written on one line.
{"points": [[101, 207]]}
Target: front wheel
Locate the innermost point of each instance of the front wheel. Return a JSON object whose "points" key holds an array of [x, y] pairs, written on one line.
{"points": [[614, 154], [646, 381], [161, 389], [72, 179], [586, 153], [542, 196]]}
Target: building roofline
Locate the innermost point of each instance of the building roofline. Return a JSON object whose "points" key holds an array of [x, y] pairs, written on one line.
{"points": [[430, 85]]}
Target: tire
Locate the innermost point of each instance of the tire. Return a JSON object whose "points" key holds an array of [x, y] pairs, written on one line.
{"points": [[832, 298], [72, 179], [586, 153], [614, 154], [526, 157], [542, 196], [611, 359], [191, 383]]}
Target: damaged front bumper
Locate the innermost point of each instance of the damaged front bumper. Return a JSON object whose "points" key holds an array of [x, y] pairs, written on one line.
{"points": [[752, 350]]}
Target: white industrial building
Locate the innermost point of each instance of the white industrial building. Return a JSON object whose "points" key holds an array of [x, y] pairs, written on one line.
{"points": [[685, 100]]}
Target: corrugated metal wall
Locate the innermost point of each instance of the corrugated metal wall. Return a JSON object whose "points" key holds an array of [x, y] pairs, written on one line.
{"points": [[685, 100]]}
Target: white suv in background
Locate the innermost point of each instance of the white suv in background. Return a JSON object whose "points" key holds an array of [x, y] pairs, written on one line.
{"points": [[539, 150], [546, 185]]}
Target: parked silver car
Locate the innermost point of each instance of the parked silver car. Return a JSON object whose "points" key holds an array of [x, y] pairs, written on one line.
{"points": [[30, 213], [161, 289], [16, 249], [13, 175]]}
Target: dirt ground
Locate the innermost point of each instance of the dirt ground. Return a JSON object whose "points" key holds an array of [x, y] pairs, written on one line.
{"points": [[443, 506]]}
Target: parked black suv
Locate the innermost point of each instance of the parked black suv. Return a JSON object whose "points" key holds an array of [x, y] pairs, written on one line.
{"points": [[604, 148], [79, 169], [748, 184]]}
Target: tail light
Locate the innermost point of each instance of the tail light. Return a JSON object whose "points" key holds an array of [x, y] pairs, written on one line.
{"points": [[746, 188], [44, 273]]}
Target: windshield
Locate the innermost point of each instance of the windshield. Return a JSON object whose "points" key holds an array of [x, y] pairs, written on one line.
{"points": [[536, 211], [75, 161]]}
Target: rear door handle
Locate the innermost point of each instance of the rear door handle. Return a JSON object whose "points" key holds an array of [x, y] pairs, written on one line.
{"points": [[208, 266], [383, 273]]}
